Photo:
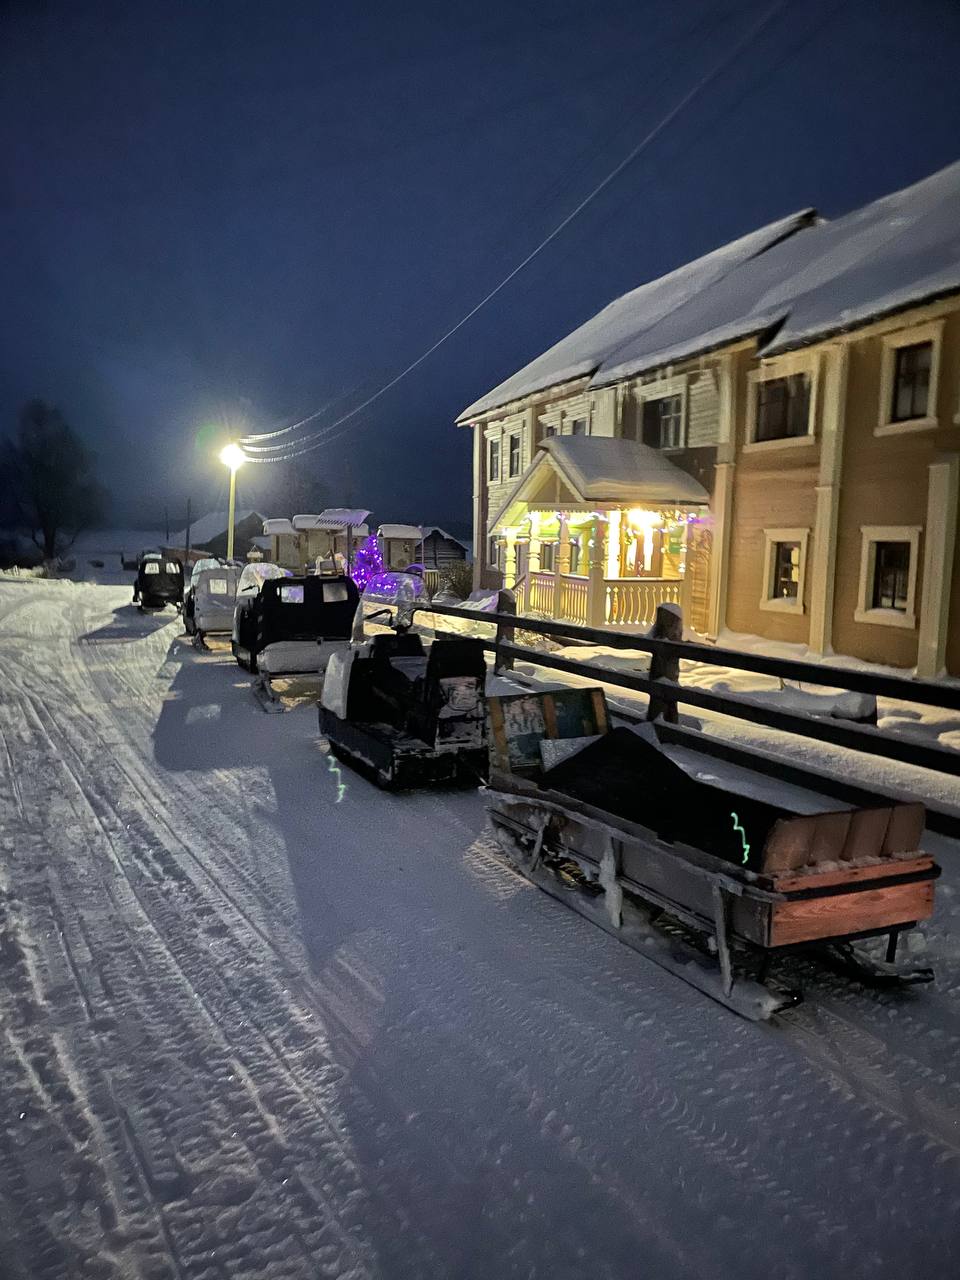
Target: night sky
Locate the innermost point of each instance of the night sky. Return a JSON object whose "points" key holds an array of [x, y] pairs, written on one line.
{"points": [[231, 213]]}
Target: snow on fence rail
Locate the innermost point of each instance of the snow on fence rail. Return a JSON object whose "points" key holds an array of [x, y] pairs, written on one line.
{"points": [[854, 737]]}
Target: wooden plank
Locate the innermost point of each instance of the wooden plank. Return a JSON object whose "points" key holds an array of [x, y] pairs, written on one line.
{"points": [[550, 716], [845, 913], [599, 700], [790, 881], [495, 711]]}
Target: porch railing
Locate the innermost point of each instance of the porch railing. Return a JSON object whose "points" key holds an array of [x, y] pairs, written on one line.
{"points": [[539, 594], [574, 598], [632, 602]]}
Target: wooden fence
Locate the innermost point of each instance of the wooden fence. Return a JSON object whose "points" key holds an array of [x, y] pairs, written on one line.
{"points": [[851, 736]]}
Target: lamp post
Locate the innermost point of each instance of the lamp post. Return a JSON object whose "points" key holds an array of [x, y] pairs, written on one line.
{"points": [[233, 457]]}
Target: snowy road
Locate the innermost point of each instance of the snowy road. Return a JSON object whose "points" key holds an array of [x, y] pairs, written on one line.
{"points": [[255, 1025]]}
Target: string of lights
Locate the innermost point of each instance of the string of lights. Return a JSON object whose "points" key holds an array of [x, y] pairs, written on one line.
{"points": [[297, 448]]}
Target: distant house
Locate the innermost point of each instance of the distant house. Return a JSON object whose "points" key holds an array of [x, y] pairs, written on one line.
{"points": [[441, 549], [400, 544], [334, 534], [209, 534]]}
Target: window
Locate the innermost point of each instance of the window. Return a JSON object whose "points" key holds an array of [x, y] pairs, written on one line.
{"points": [[908, 379], [493, 468], [783, 407], [292, 595], [891, 575], [514, 455], [151, 566], [334, 592], [784, 569], [578, 427], [889, 556], [663, 422], [550, 431], [548, 557], [574, 555], [493, 553], [911, 381]]}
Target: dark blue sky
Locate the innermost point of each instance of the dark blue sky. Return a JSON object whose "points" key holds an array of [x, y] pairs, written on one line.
{"points": [[231, 212]]}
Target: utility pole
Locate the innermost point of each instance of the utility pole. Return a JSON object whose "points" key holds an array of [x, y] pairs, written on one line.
{"points": [[186, 554]]}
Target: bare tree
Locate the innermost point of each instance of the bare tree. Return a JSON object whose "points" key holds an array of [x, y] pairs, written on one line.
{"points": [[49, 473]]}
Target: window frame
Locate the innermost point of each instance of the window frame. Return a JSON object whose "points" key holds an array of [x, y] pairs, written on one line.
{"points": [[892, 343], [493, 448], [773, 537], [514, 442], [493, 551], [681, 398], [870, 536], [772, 371]]}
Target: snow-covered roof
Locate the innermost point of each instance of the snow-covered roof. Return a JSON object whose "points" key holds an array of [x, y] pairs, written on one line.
{"points": [[430, 529], [585, 350], [337, 518], [797, 280], [900, 250], [206, 528], [277, 526], [400, 531], [611, 469]]}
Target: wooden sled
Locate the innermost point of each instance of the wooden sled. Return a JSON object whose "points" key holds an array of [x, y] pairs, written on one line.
{"points": [[818, 880]]}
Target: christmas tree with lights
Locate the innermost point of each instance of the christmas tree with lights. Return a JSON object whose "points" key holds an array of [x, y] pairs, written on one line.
{"points": [[367, 562]]}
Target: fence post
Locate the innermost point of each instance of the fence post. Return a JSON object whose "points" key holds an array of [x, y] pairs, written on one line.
{"points": [[668, 625], [506, 603]]}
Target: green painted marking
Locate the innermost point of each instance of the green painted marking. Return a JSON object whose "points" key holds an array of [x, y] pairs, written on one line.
{"points": [[341, 785], [743, 835]]}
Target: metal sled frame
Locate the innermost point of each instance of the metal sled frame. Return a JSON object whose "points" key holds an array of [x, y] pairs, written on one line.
{"points": [[395, 760], [528, 821]]}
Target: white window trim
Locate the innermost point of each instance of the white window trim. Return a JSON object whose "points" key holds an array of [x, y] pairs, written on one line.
{"points": [[660, 390], [774, 603], [782, 367], [870, 535], [892, 342]]}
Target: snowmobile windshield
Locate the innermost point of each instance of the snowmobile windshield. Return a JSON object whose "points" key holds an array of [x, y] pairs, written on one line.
{"points": [[308, 609], [255, 575]]}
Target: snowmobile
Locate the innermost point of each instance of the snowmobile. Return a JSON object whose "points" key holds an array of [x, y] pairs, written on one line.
{"points": [[713, 877], [403, 716], [159, 581], [210, 599], [292, 625]]}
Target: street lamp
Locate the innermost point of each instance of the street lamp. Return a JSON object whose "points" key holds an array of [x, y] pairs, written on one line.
{"points": [[232, 456]]}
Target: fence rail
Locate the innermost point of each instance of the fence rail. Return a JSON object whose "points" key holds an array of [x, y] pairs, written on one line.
{"points": [[860, 738]]}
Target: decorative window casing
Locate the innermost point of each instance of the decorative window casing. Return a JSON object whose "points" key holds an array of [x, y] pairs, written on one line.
{"points": [[784, 570], [573, 416], [782, 402], [889, 559], [909, 379]]}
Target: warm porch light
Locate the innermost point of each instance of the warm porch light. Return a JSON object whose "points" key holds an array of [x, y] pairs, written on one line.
{"points": [[643, 519]]}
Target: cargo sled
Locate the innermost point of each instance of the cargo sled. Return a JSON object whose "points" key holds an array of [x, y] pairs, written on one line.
{"points": [[713, 879], [159, 581], [210, 600], [405, 717], [291, 626]]}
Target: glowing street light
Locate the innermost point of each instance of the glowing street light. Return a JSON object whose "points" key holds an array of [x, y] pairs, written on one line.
{"points": [[232, 456]]}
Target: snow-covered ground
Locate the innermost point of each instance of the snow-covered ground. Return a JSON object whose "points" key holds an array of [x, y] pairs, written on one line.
{"points": [[262, 1020]]}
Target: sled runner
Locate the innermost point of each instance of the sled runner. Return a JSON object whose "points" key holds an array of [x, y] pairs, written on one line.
{"points": [[712, 882], [403, 716]]}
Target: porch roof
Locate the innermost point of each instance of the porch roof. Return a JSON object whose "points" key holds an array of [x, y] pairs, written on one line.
{"points": [[602, 469]]}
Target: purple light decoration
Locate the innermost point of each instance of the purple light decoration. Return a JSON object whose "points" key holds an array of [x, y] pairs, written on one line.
{"points": [[367, 562]]}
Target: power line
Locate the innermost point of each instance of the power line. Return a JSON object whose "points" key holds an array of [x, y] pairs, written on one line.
{"points": [[298, 448]]}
